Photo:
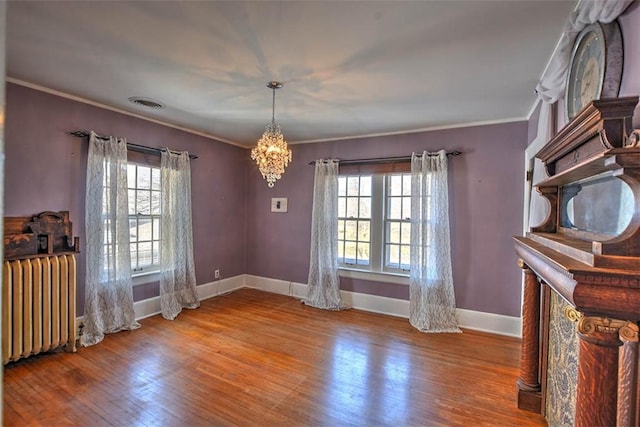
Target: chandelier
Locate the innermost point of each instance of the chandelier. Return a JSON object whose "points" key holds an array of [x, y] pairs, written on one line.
{"points": [[271, 154]]}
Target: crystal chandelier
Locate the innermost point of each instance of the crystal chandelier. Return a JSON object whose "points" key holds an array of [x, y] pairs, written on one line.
{"points": [[271, 154]]}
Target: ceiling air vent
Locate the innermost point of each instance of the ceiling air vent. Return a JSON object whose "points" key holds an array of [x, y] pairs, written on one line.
{"points": [[146, 102]]}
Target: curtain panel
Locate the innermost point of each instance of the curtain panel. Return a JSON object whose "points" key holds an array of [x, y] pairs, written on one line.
{"points": [[177, 268], [323, 289], [108, 290], [431, 293]]}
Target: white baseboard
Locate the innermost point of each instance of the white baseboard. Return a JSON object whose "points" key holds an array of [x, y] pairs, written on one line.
{"points": [[469, 319], [220, 287], [151, 306]]}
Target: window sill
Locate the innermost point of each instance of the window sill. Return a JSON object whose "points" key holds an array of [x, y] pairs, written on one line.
{"points": [[374, 276], [145, 277]]}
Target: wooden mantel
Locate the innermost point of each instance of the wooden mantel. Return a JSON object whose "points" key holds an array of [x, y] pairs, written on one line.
{"points": [[597, 277]]}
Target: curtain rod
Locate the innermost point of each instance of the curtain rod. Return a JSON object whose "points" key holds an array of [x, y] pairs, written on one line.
{"points": [[384, 159], [131, 146]]}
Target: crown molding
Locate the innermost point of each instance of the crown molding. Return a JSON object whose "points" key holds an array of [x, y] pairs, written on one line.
{"points": [[118, 110]]}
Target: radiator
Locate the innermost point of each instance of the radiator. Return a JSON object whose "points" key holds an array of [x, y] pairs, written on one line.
{"points": [[38, 306]]}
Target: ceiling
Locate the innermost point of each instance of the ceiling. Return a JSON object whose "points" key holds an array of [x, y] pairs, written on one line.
{"points": [[349, 68]]}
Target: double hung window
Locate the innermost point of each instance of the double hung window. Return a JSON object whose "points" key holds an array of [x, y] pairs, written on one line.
{"points": [[143, 186], [374, 222]]}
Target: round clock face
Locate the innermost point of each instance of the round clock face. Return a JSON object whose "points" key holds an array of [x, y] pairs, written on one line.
{"points": [[586, 73], [595, 70]]}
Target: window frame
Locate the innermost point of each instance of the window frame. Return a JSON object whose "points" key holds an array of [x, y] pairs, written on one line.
{"points": [[405, 219], [141, 272], [377, 232]]}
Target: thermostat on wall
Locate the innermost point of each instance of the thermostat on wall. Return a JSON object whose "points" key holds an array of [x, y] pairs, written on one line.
{"points": [[279, 204]]}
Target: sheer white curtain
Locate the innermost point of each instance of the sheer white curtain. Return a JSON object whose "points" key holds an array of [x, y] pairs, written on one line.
{"points": [[323, 289], [108, 305], [177, 270], [432, 306]]}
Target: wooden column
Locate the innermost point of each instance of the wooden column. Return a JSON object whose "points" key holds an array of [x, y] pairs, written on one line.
{"points": [[529, 396], [596, 399], [628, 377]]}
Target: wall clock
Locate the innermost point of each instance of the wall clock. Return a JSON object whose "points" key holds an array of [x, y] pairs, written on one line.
{"points": [[595, 68]]}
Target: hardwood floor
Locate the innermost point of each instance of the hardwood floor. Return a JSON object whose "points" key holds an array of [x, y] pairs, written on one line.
{"points": [[254, 358]]}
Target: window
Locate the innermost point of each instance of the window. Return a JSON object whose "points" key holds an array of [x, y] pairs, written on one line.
{"points": [[374, 224], [143, 186], [397, 221], [354, 220]]}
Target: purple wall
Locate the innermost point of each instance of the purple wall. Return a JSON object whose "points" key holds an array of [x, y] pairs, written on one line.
{"points": [[486, 210], [45, 170]]}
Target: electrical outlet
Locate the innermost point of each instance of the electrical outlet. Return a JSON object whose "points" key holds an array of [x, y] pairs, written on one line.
{"points": [[216, 274]]}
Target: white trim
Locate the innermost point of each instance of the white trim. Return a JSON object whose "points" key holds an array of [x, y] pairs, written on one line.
{"points": [[410, 131], [145, 277], [151, 306], [245, 146], [118, 110], [490, 322], [468, 319], [221, 287], [374, 276]]}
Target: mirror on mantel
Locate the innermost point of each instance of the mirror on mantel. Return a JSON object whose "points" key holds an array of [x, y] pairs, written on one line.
{"points": [[602, 205]]}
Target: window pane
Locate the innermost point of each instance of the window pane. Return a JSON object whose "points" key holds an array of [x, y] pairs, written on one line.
{"points": [[144, 229], [363, 253], [351, 230], [365, 185], [406, 185], [395, 185], [155, 202], [406, 208], [341, 250], [393, 255], [405, 234], [156, 252], [143, 205], [352, 207], [342, 186], [394, 232], [363, 231], [342, 207], [350, 251], [353, 185], [405, 257], [144, 177], [133, 230], [131, 176], [155, 179], [395, 208], [365, 207], [156, 229], [134, 259], [340, 230], [132, 202], [144, 254]]}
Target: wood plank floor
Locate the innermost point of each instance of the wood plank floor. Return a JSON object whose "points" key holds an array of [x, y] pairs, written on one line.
{"points": [[254, 358]]}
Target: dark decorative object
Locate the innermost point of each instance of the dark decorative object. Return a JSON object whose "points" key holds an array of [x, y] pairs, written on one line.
{"points": [[46, 233], [595, 70]]}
